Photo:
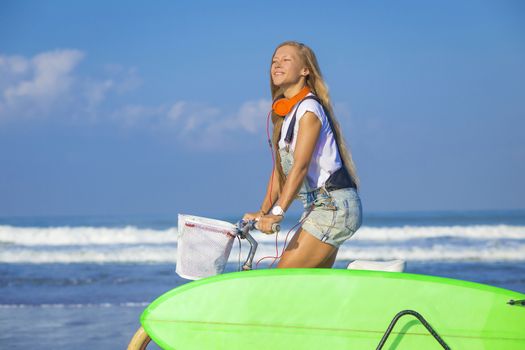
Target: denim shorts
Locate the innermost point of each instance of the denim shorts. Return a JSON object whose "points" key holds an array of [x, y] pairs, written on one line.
{"points": [[332, 217]]}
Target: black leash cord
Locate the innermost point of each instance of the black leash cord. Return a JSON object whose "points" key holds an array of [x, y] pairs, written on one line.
{"points": [[421, 319]]}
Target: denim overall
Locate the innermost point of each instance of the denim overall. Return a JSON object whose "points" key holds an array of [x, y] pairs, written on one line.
{"points": [[331, 217]]}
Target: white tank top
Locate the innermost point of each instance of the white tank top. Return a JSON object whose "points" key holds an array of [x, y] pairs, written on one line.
{"points": [[325, 159]]}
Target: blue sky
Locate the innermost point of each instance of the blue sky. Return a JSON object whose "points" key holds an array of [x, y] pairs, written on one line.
{"points": [[159, 107]]}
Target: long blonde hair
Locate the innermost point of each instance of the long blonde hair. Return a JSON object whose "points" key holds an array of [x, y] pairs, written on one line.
{"points": [[315, 82]]}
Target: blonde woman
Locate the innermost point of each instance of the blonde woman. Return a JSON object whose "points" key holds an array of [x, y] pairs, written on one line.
{"points": [[312, 162]]}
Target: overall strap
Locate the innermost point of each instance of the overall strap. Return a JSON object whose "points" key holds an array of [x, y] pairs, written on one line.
{"points": [[289, 133]]}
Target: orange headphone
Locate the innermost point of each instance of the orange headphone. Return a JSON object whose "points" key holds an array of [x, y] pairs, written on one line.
{"points": [[283, 106]]}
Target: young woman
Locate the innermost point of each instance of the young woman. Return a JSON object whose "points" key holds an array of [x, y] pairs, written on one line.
{"points": [[312, 162]]}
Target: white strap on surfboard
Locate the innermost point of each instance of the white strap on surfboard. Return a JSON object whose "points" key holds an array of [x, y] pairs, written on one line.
{"points": [[390, 266]]}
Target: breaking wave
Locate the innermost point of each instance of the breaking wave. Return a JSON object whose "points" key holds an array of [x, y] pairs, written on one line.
{"points": [[137, 245]]}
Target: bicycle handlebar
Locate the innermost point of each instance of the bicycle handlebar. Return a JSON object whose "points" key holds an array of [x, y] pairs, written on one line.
{"points": [[243, 231], [275, 227]]}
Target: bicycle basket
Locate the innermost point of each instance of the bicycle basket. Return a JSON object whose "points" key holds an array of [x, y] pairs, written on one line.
{"points": [[203, 246]]}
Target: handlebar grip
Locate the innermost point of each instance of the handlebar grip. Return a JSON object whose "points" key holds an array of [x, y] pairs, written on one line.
{"points": [[275, 227]]}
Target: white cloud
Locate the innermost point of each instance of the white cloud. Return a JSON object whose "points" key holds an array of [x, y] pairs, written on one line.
{"points": [[176, 111], [124, 78], [13, 65], [251, 116], [48, 83], [97, 91], [197, 125], [208, 127], [50, 78], [135, 115], [197, 117]]}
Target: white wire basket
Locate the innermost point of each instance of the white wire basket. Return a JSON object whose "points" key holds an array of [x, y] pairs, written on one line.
{"points": [[203, 246]]}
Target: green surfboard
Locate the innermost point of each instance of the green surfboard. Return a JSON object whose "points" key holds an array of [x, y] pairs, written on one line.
{"points": [[333, 309]]}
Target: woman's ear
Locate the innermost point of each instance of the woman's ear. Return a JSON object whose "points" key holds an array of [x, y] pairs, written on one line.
{"points": [[306, 72]]}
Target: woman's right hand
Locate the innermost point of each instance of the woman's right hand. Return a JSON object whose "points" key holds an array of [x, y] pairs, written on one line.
{"points": [[253, 216]]}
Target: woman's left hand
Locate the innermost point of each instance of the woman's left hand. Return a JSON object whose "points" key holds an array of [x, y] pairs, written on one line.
{"points": [[266, 221]]}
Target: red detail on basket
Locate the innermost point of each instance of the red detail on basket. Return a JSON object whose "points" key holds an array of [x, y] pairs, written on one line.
{"points": [[210, 228]]}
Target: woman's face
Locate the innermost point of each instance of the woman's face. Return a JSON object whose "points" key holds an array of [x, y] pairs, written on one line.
{"points": [[287, 67]]}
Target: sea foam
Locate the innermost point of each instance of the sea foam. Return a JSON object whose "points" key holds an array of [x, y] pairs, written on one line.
{"points": [[137, 245]]}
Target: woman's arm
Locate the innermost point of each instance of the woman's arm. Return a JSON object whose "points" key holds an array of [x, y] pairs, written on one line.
{"points": [[309, 130], [272, 192]]}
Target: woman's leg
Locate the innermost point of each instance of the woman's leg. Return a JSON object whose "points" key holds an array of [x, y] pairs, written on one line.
{"points": [[304, 250], [329, 262]]}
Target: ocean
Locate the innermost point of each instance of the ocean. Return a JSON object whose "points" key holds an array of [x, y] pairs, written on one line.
{"points": [[82, 282]]}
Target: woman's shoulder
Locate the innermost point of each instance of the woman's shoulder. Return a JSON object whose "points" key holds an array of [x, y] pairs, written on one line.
{"points": [[313, 105]]}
